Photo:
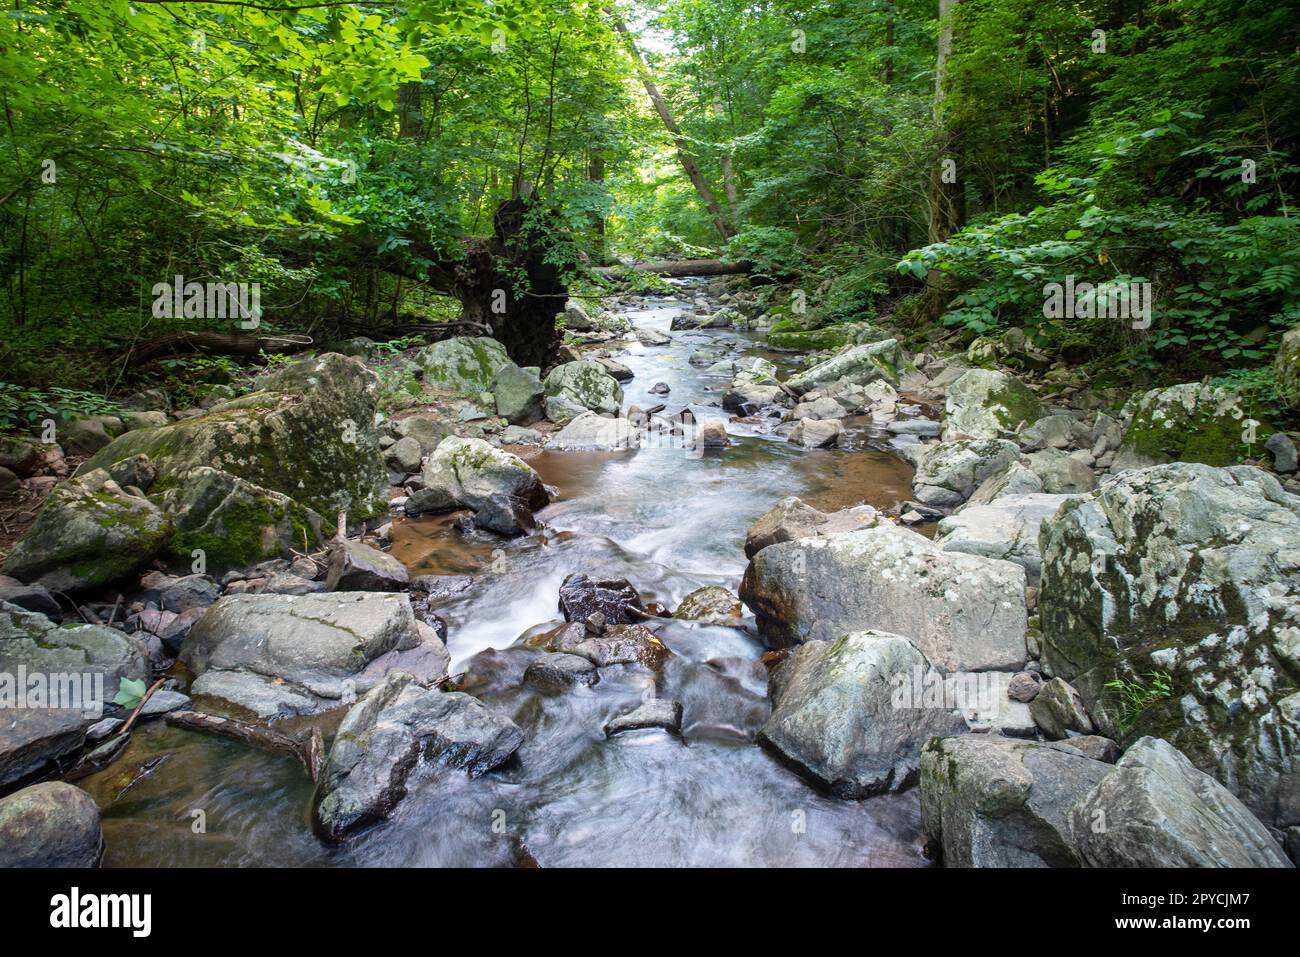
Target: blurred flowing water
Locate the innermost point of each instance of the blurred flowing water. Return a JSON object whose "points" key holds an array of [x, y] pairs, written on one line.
{"points": [[670, 523]]}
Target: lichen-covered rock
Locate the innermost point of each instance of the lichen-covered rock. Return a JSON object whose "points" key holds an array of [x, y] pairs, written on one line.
{"points": [[949, 472], [308, 432], [501, 489], [386, 733], [590, 432], [984, 403], [1192, 422], [464, 365], [1193, 571], [234, 523], [964, 612], [89, 532], [792, 518], [1059, 711], [836, 715], [587, 384], [50, 825], [286, 654], [31, 738], [991, 801], [859, 365], [1061, 474], [1006, 528], [1060, 430], [519, 394], [1157, 810]]}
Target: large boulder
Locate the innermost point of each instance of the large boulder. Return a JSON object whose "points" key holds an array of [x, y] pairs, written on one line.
{"points": [[465, 365], [1192, 422], [397, 724], [587, 384], [277, 655], [1006, 528], [947, 473], [308, 432], [964, 612], [519, 394], [858, 365], [589, 432], [50, 825], [31, 738], [985, 403], [993, 801], [1194, 572], [1157, 810], [89, 532], [835, 713], [500, 488], [235, 523], [355, 566]]}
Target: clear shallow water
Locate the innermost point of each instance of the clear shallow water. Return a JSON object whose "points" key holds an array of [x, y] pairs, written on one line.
{"points": [[669, 523]]}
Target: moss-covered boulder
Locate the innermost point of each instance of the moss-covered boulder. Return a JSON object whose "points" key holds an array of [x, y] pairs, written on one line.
{"points": [[792, 334], [858, 365], [89, 532], [308, 432], [501, 489], [587, 384], [1191, 422], [464, 365], [235, 523], [985, 403], [1194, 572]]}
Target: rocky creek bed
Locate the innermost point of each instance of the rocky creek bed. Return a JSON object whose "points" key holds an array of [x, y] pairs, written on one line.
{"points": [[683, 600]]}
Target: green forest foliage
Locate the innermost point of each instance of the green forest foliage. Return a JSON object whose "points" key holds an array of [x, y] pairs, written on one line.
{"points": [[305, 148]]}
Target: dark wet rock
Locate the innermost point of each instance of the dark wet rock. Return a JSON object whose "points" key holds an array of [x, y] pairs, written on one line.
{"points": [[617, 645], [656, 713], [386, 733], [89, 532], [581, 596], [992, 801], [1093, 746], [559, 671], [358, 567], [965, 613], [1157, 810], [191, 591], [285, 654], [32, 738], [1193, 571], [835, 716], [50, 825], [30, 598], [1058, 710]]}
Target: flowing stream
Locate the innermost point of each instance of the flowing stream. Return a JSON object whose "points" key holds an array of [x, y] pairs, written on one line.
{"points": [[670, 523]]}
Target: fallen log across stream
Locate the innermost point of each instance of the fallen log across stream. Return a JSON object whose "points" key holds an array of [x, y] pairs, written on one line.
{"points": [[678, 268]]}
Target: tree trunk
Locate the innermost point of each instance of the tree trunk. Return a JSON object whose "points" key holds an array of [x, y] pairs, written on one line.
{"points": [[946, 199], [688, 161]]}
